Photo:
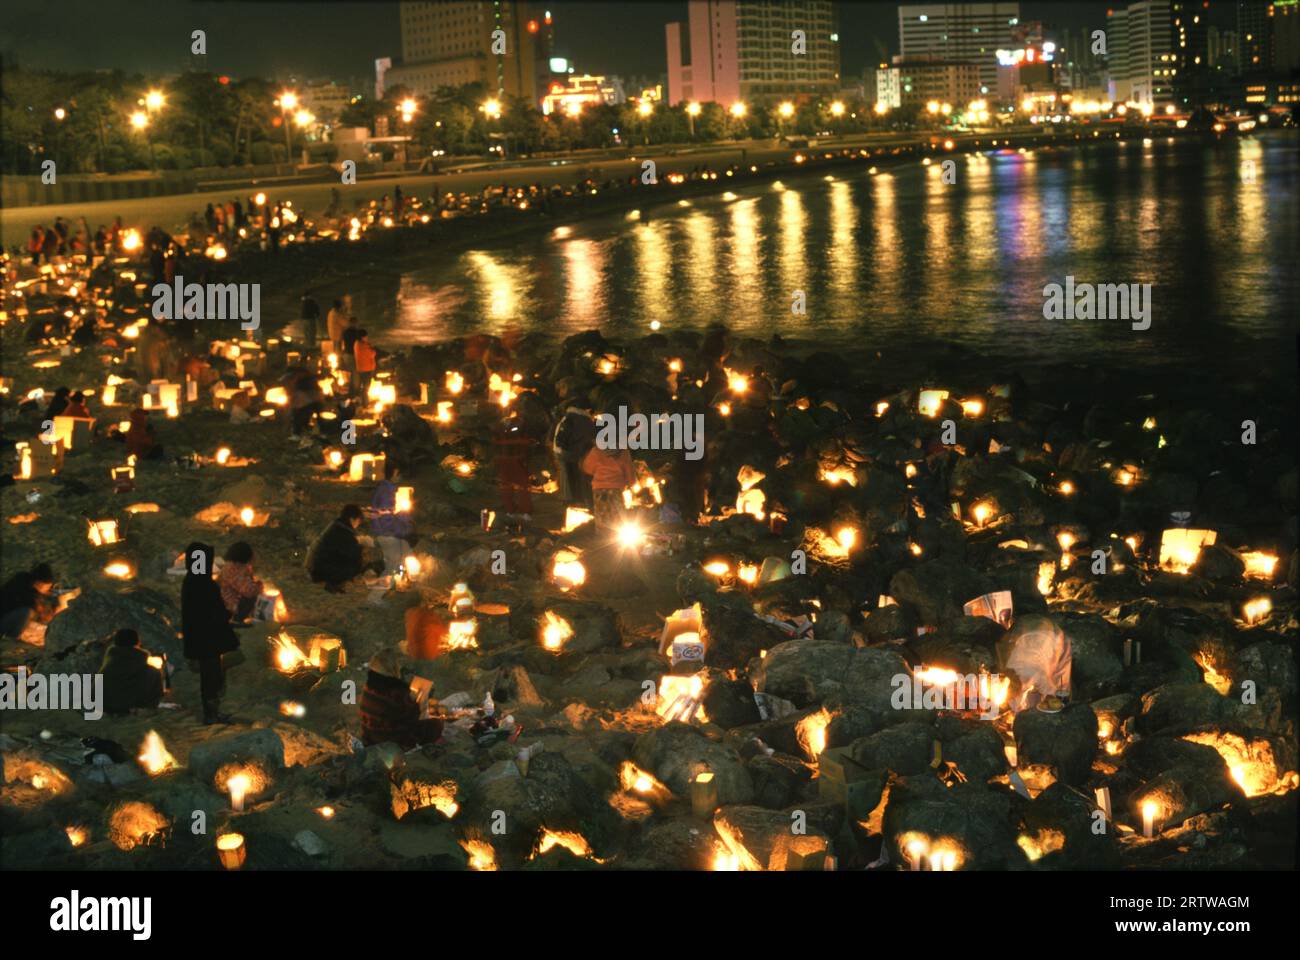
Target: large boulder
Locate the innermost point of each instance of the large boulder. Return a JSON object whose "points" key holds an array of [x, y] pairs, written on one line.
{"points": [[675, 753], [96, 615], [936, 589], [262, 747], [1065, 741], [976, 822]]}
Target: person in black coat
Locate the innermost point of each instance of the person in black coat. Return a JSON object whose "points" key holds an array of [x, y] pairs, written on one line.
{"points": [[336, 557], [205, 628], [129, 681]]}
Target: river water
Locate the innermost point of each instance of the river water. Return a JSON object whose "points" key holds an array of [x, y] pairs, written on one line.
{"points": [[901, 257]]}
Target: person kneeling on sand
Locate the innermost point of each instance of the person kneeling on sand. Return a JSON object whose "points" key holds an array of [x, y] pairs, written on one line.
{"points": [[337, 557], [389, 713], [129, 681]]}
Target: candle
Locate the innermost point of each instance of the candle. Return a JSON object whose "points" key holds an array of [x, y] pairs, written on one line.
{"points": [[916, 851], [238, 786], [704, 795], [1103, 800], [1149, 810]]}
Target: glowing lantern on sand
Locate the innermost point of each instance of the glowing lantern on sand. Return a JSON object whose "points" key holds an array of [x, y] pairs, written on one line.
{"points": [[404, 497], [555, 631], [246, 516], [1180, 548], [567, 570], [119, 570], [930, 401], [102, 532], [223, 455], [231, 850], [574, 517], [462, 634], [1256, 610], [455, 382], [811, 732], [444, 411], [1259, 566], [154, 756]]}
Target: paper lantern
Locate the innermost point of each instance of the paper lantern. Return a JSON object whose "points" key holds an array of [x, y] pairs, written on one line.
{"points": [[102, 532], [231, 850], [365, 466]]}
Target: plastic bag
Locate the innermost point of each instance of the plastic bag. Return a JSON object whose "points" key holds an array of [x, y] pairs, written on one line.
{"points": [[1037, 652]]}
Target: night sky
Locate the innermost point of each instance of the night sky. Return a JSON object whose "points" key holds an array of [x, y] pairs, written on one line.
{"points": [[341, 40]]}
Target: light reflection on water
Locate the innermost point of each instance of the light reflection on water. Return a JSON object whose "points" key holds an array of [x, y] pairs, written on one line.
{"points": [[902, 256]]}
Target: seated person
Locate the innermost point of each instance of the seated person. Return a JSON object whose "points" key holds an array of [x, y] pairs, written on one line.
{"points": [[139, 439], [336, 557], [24, 597], [129, 681], [77, 406], [240, 588], [389, 713]]}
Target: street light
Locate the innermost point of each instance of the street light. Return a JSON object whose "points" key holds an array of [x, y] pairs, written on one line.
{"points": [[738, 110], [59, 113], [304, 118], [786, 110], [837, 109], [881, 108], [154, 100], [645, 108], [408, 108], [288, 101], [492, 109], [692, 111]]}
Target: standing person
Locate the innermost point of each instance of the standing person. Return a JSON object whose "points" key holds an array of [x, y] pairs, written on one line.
{"points": [[309, 314], [210, 218], [139, 438], [205, 628], [511, 444], [240, 587], [36, 243], [335, 322], [305, 400], [610, 471], [367, 358], [574, 436]]}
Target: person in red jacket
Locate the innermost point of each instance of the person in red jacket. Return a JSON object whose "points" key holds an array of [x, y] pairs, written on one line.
{"points": [[389, 713], [610, 471], [511, 444]]}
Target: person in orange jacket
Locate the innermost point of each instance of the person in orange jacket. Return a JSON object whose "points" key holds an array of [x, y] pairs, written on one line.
{"points": [[610, 471], [367, 358]]}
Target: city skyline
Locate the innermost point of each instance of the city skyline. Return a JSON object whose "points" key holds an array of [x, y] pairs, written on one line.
{"points": [[342, 40]]}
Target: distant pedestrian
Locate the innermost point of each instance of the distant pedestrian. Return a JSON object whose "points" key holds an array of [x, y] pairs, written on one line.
{"points": [[310, 316]]}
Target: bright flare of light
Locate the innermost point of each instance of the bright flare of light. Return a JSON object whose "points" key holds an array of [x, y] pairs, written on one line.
{"points": [[288, 100], [738, 109], [786, 110], [154, 756], [139, 120]]}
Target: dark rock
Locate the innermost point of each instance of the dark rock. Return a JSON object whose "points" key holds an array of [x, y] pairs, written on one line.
{"points": [[674, 753], [1065, 741], [730, 703]]}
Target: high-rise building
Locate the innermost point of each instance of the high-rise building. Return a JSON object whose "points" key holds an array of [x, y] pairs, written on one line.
{"points": [[1142, 52], [917, 82], [1078, 68], [1286, 37], [1255, 34], [739, 50], [971, 32], [1192, 71], [448, 44]]}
